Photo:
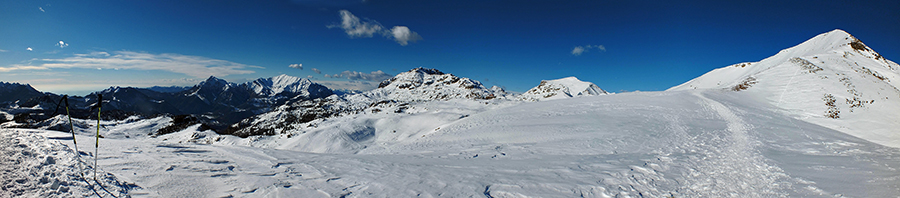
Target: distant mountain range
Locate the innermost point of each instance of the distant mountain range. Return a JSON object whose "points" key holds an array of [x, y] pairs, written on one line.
{"points": [[216, 101], [218, 104]]}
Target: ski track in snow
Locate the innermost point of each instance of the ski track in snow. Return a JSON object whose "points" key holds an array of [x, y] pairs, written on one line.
{"points": [[738, 170]]}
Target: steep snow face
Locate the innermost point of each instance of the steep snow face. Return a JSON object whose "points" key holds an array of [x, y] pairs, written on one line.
{"points": [[429, 84], [832, 79], [562, 88], [287, 85]]}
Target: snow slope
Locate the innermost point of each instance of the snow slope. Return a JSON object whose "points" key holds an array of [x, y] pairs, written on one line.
{"points": [[561, 88], [652, 144], [833, 80]]}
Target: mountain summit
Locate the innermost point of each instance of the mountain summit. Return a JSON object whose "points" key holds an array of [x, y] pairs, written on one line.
{"points": [[430, 84], [562, 88], [832, 79]]}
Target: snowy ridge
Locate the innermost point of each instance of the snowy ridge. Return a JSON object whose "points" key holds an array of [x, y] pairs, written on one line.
{"points": [[832, 79], [12, 92], [561, 88]]}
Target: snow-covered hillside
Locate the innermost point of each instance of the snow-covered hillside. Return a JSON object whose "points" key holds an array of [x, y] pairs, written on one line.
{"points": [[561, 88], [832, 79], [651, 144]]}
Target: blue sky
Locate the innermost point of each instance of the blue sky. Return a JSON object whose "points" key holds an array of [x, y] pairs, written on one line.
{"points": [[625, 45]]}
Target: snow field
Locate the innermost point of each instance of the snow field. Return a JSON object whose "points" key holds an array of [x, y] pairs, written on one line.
{"points": [[657, 144]]}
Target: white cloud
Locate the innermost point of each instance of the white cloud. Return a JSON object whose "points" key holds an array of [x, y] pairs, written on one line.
{"points": [[403, 36], [354, 27], [309, 76], [317, 70], [42, 9], [194, 66], [3, 50], [29, 49], [62, 44], [327, 76], [296, 66], [578, 50]]}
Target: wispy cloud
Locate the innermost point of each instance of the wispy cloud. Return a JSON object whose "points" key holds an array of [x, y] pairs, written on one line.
{"points": [[194, 66], [42, 9], [296, 66], [29, 49], [3, 50], [316, 70], [21, 67], [62, 44], [377, 76], [348, 85], [578, 50], [356, 27]]}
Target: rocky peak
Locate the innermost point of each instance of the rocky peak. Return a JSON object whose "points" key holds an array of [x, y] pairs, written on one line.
{"points": [[428, 84], [212, 81]]}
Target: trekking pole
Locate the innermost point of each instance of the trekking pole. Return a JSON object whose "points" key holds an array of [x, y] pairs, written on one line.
{"points": [[71, 125], [65, 99], [97, 142]]}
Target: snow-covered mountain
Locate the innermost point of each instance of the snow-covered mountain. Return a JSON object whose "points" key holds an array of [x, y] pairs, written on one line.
{"points": [[421, 84], [561, 88], [287, 86], [833, 79], [216, 101], [397, 95]]}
